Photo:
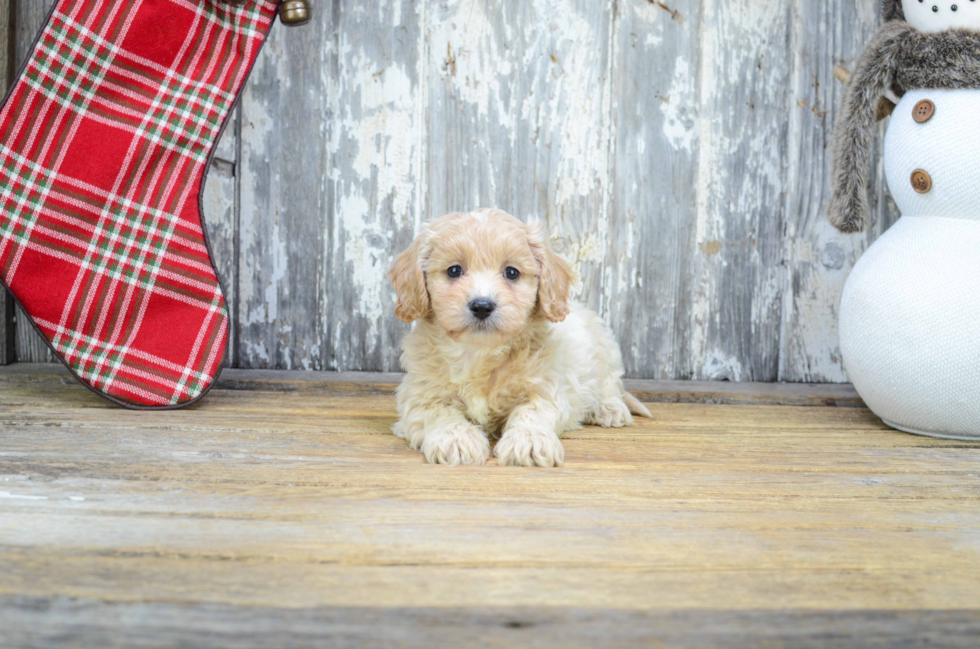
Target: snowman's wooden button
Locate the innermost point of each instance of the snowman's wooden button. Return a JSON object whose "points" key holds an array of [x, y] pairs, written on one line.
{"points": [[921, 181], [923, 111]]}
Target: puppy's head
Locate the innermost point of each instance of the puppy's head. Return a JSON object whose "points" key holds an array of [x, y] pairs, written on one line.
{"points": [[481, 275]]}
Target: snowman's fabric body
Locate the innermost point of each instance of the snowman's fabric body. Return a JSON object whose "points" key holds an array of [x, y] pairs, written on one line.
{"points": [[910, 312]]}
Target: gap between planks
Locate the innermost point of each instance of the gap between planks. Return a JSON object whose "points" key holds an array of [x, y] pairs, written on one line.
{"points": [[378, 383]]}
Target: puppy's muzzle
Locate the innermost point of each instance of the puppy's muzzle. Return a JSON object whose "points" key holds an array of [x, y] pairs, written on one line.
{"points": [[482, 309]]}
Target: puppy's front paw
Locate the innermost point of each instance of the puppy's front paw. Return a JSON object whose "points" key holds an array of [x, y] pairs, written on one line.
{"points": [[456, 443], [611, 413], [529, 447]]}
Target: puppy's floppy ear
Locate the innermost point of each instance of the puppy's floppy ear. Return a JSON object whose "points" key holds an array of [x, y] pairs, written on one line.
{"points": [[408, 278], [555, 280]]}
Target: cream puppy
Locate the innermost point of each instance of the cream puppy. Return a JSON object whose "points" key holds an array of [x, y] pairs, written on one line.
{"points": [[498, 350]]}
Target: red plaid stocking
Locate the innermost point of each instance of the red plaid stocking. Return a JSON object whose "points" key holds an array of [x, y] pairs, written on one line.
{"points": [[104, 143]]}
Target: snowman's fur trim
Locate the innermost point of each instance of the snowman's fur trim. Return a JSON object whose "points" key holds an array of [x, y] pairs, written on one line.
{"points": [[892, 10], [900, 58]]}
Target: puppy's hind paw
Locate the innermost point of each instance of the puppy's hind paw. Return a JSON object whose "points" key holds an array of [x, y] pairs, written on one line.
{"points": [[454, 444], [529, 447], [611, 412]]}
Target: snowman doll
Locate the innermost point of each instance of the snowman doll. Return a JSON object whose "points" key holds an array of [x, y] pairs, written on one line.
{"points": [[910, 311]]}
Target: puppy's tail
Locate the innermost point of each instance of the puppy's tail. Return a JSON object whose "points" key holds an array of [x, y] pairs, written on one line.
{"points": [[635, 406]]}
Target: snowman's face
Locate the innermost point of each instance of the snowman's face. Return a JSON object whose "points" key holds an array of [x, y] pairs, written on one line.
{"points": [[940, 15]]}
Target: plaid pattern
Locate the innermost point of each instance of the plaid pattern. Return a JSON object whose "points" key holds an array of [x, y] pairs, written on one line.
{"points": [[104, 141]]}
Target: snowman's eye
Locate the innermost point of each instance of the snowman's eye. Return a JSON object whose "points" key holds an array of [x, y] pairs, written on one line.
{"points": [[954, 7], [935, 9]]}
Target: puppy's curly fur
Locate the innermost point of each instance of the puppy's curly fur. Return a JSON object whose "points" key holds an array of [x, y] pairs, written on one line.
{"points": [[539, 365], [899, 58]]}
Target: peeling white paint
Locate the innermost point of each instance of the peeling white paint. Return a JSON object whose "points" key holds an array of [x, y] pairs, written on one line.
{"points": [[9, 496], [472, 61], [576, 94], [380, 130], [257, 127], [679, 108], [280, 268], [707, 225], [590, 249], [739, 131], [720, 367], [378, 160], [516, 102]]}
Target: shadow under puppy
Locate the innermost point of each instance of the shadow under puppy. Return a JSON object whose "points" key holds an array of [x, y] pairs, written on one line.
{"points": [[498, 349]]}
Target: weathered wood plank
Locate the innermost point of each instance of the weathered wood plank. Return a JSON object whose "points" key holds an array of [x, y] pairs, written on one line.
{"points": [[518, 117], [734, 322], [323, 216], [302, 510], [820, 258], [689, 196], [29, 18], [318, 582], [649, 284], [677, 152], [7, 331], [220, 206], [385, 383], [7, 334], [60, 621], [377, 192], [284, 189]]}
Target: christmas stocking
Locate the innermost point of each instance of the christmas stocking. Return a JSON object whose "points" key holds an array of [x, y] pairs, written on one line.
{"points": [[105, 140]]}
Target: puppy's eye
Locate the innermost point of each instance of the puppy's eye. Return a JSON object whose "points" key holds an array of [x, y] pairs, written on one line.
{"points": [[454, 271], [512, 273]]}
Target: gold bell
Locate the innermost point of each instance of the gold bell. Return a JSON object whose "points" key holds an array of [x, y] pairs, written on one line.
{"points": [[294, 12]]}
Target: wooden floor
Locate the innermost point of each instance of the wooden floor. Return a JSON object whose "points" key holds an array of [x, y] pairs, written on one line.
{"points": [[285, 514]]}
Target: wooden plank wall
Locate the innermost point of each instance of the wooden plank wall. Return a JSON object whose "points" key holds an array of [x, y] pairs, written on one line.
{"points": [[678, 151], [6, 302]]}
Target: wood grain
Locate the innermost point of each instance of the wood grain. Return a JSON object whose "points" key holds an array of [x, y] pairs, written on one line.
{"points": [[374, 200], [735, 319], [819, 258], [28, 18], [649, 283], [385, 383], [277, 506], [677, 152], [40, 621], [284, 224], [6, 74], [219, 203], [518, 118]]}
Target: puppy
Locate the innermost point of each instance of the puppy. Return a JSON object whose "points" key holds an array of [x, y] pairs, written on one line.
{"points": [[498, 349]]}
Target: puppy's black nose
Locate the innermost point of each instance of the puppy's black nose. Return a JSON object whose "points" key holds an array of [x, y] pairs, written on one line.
{"points": [[482, 308]]}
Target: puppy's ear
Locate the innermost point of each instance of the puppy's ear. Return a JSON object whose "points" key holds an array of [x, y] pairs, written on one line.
{"points": [[408, 278], [555, 280]]}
